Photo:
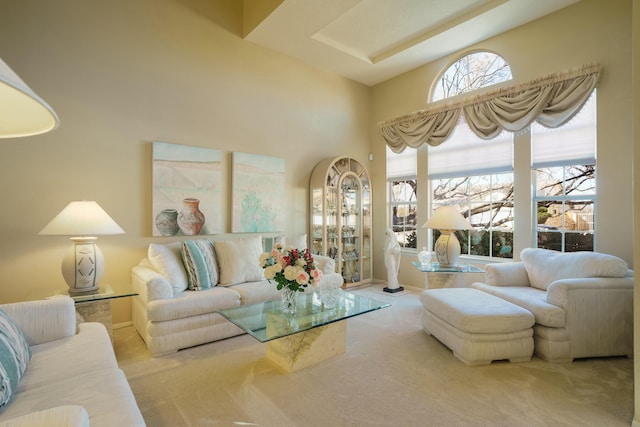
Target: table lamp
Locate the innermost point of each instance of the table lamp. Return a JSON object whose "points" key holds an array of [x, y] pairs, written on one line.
{"points": [[22, 112], [83, 264], [447, 219]]}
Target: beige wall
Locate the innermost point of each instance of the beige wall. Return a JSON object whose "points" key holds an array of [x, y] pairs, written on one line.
{"points": [[588, 31], [123, 73]]}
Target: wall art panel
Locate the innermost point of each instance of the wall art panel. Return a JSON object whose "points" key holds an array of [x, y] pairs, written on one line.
{"points": [[187, 196], [258, 193]]}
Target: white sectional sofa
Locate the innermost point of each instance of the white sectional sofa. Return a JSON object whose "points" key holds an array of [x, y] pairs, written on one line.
{"points": [[170, 316], [582, 301], [72, 377]]}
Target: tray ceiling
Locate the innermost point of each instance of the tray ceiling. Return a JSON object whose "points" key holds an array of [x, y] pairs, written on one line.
{"points": [[371, 41]]}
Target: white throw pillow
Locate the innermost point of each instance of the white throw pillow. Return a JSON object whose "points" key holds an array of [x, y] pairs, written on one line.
{"points": [[298, 242], [167, 260], [238, 260], [545, 266]]}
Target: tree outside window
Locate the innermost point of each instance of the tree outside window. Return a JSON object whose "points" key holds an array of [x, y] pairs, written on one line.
{"points": [[487, 202], [565, 202], [403, 199]]}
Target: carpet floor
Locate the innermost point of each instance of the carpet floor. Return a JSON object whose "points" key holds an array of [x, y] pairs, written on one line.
{"points": [[393, 374]]}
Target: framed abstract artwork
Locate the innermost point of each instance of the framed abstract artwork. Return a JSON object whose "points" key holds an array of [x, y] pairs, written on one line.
{"points": [[258, 193], [187, 195]]}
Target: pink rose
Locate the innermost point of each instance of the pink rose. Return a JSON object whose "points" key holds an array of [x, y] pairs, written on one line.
{"points": [[302, 278]]}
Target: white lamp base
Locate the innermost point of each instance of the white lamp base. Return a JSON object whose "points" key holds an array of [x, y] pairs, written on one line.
{"points": [[83, 266], [447, 249]]}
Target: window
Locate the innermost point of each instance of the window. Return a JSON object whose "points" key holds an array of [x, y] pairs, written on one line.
{"points": [[473, 71], [476, 176], [472, 174], [565, 175], [403, 193]]}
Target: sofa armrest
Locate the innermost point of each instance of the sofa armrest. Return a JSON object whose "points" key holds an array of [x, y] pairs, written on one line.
{"points": [[506, 274], [59, 416], [561, 291], [149, 284], [42, 321], [325, 264], [332, 280]]}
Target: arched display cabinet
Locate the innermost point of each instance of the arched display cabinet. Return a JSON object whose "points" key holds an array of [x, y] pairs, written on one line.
{"points": [[340, 192]]}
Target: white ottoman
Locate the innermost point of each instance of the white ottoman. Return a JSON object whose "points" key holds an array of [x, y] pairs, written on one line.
{"points": [[478, 327]]}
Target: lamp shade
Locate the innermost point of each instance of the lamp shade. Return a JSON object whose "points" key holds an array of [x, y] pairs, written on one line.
{"points": [[447, 218], [22, 112], [84, 218]]}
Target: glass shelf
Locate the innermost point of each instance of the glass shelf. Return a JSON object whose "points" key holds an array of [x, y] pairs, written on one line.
{"points": [[434, 267]]}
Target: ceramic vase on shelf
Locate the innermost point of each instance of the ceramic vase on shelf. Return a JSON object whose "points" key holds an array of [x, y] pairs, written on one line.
{"points": [[288, 298], [190, 219], [167, 222]]}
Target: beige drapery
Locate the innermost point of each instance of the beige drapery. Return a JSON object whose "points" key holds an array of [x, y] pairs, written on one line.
{"points": [[551, 100]]}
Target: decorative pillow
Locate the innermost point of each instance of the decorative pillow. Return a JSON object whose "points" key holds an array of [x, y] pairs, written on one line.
{"points": [[167, 260], [238, 260], [200, 263], [298, 242], [15, 354], [545, 266]]}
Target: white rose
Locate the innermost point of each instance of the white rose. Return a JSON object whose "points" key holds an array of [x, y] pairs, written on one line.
{"points": [[269, 272], [290, 273]]}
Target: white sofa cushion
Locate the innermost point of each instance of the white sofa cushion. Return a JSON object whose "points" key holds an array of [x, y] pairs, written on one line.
{"points": [[199, 261], [254, 292], [238, 260], [532, 299], [167, 260], [97, 354], [476, 312], [545, 266], [192, 303], [14, 357]]}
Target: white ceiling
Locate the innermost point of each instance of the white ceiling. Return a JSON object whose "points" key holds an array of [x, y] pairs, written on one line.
{"points": [[371, 41]]}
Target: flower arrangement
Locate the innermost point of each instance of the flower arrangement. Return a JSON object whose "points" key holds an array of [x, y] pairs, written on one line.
{"points": [[290, 268]]}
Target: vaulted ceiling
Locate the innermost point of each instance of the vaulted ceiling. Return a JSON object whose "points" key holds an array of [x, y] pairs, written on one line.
{"points": [[371, 41]]}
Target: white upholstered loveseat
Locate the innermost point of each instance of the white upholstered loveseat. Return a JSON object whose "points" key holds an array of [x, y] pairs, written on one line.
{"points": [[582, 301], [169, 316], [72, 377]]}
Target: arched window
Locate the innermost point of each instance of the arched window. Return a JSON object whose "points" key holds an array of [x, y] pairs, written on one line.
{"points": [[473, 71], [475, 175]]}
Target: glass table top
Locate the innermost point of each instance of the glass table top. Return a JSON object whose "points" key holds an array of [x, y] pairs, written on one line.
{"points": [[434, 267], [265, 321], [103, 293]]}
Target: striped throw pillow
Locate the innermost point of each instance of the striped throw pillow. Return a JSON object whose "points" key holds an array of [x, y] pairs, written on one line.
{"points": [[200, 262], [15, 354]]}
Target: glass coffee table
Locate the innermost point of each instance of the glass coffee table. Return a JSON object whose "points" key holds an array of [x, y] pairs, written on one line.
{"points": [[312, 334]]}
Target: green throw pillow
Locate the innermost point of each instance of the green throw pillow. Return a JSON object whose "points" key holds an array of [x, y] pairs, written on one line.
{"points": [[15, 354], [200, 263]]}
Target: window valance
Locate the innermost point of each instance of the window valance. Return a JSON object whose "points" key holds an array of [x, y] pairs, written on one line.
{"points": [[551, 101]]}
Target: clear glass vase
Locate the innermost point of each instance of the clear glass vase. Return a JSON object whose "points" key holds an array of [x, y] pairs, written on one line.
{"points": [[424, 256], [289, 299]]}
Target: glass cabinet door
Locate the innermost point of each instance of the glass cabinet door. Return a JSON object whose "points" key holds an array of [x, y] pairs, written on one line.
{"points": [[341, 217]]}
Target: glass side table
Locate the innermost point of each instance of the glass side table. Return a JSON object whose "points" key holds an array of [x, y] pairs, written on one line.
{"points": [[96, 307], [437, 276]]}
